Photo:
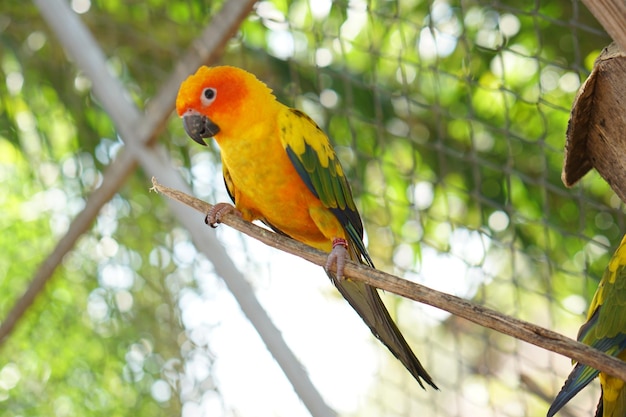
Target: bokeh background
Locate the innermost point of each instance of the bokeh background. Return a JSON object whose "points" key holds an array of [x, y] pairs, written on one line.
{"points": [[449, 118]]}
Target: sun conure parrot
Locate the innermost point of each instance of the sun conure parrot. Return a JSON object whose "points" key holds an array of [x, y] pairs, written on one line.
{"points": [[605, 330], [280, 168]]}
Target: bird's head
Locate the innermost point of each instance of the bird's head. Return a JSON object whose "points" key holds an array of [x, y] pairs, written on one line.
{"points": [[218, 99]]}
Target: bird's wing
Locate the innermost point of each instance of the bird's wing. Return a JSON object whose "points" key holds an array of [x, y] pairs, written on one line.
{"points": [[315, 161], [581, 375], [228, 181], [609, 333]]}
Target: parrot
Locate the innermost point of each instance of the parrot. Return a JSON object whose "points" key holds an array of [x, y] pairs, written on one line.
{"points": [[280, 168], [605, 329]]}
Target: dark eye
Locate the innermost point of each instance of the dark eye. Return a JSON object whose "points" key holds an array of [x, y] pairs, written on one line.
{"points": [[208, 95]]}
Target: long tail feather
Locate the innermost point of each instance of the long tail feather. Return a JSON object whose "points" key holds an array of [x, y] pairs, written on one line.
{"points": [[578, 379], [367, 303]]}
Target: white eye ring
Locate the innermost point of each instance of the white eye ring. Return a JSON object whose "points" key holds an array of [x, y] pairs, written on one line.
{"points": [[208, 96]]}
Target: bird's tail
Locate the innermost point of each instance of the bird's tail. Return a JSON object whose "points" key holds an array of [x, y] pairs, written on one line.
{"points": [[578, 379], [367, 303]]}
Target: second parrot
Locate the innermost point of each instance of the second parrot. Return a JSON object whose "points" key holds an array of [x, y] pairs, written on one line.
{"points": [[605, 330]]}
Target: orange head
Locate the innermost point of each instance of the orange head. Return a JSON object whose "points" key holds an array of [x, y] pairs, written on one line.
{"points": [[219, 99]]}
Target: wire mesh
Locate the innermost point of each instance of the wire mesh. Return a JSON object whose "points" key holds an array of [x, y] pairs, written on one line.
{"points": [[449, 118]]}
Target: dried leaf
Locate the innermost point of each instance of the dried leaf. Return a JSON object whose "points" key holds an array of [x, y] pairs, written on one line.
{"points": [[595, 134]]}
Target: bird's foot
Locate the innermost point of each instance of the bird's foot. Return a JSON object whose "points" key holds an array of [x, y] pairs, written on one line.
{"points": [[338, 256], [215, 214]]}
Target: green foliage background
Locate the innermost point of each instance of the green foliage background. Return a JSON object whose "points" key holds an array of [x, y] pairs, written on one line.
{"points": [[468, 137]]}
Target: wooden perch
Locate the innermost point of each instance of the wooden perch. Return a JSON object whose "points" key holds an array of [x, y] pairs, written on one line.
{"points": [[595, 134], [482, 316]]}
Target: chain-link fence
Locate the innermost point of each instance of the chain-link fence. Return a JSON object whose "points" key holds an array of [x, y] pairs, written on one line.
{"points": [[449, 119]]}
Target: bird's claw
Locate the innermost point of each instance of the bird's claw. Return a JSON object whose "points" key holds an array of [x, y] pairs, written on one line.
{"points": [[215, 213], [338, 256]]}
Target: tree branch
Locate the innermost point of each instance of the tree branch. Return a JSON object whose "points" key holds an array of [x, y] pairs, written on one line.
{"points": [[480, 315]]}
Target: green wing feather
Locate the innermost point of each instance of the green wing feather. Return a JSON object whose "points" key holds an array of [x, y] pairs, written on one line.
{"points": [[605, 328], [315, 161], [606, 323], [228, 181]]}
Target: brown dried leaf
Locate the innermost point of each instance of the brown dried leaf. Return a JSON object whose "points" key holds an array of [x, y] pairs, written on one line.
{"points": [[595, 134]]}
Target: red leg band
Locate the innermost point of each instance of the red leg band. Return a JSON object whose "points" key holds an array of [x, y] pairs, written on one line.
{"points": [[340, 241]]}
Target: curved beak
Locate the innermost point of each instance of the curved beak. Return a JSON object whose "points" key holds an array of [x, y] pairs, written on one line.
{"points": [[199, 127]]}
